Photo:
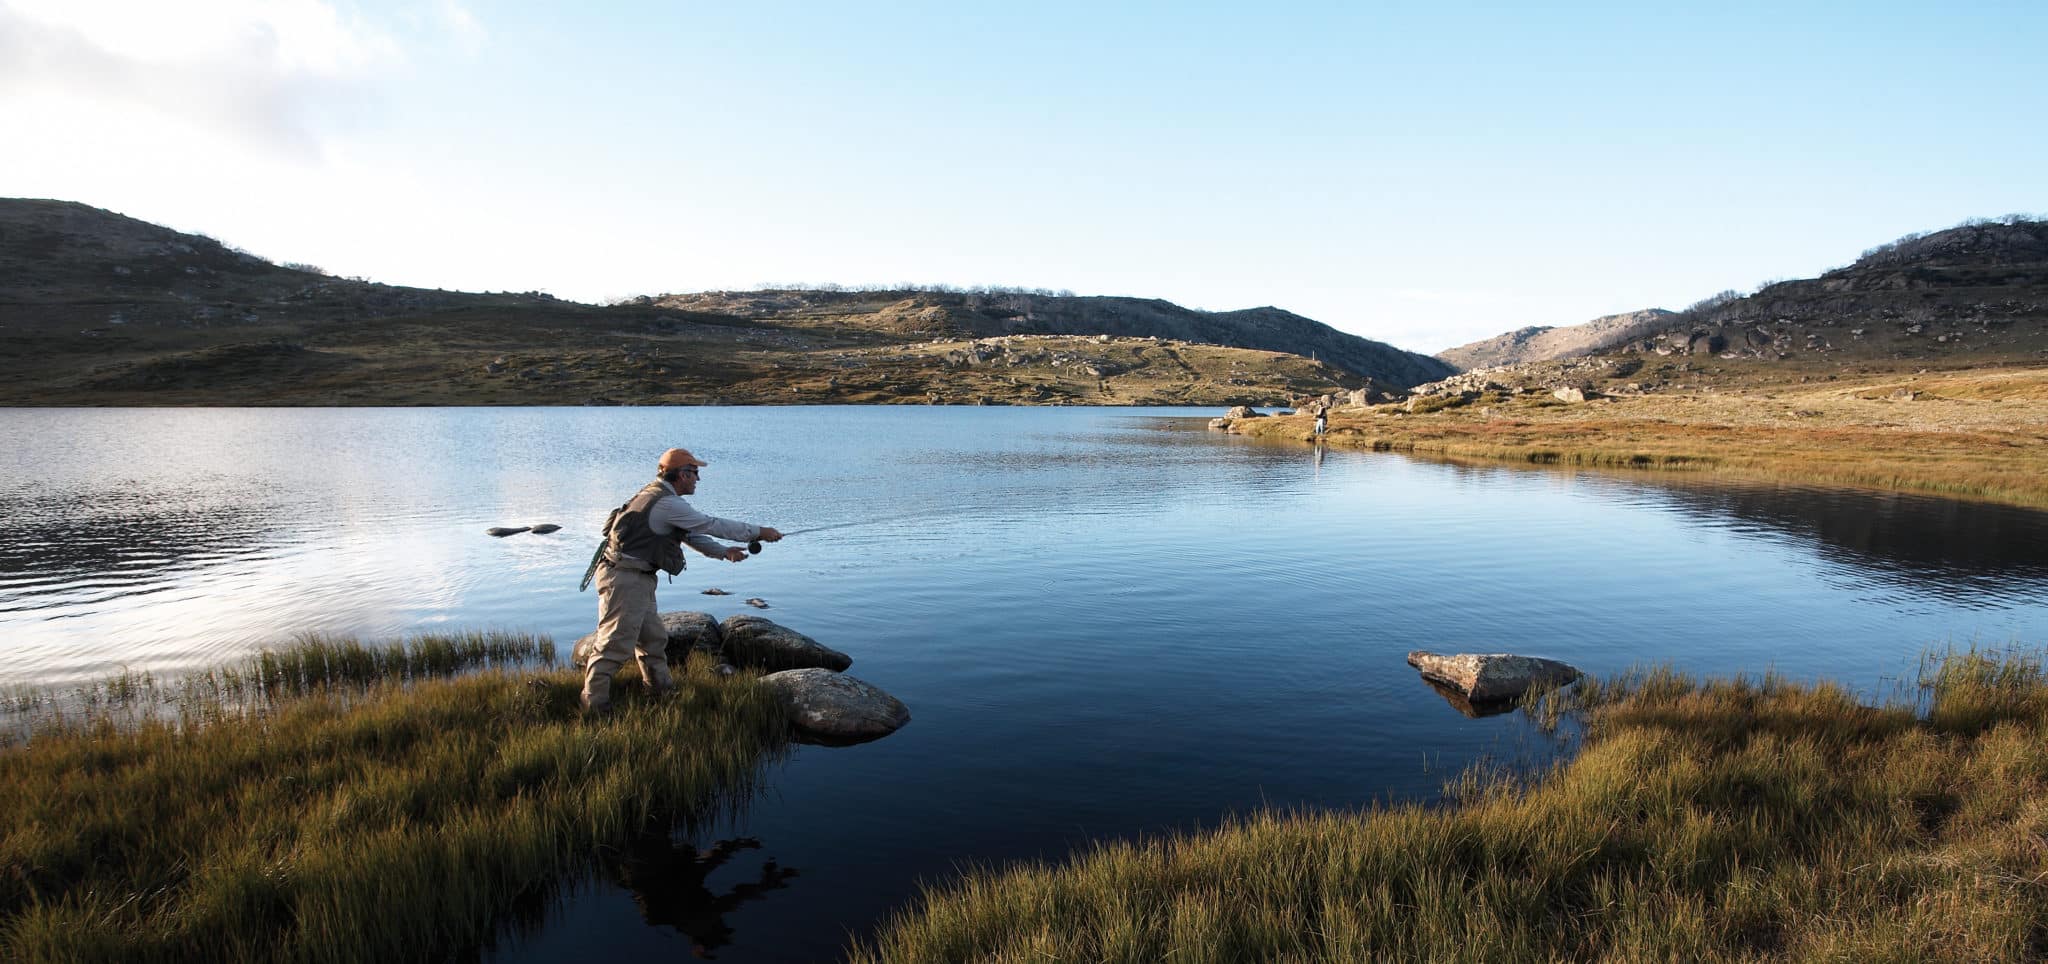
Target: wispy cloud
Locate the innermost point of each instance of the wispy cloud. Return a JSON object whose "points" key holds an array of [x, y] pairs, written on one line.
{"points": [[263, 71], [462, 26]]}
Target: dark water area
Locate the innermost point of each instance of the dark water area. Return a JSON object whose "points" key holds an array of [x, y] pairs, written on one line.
{"points": [[1107, 623]]}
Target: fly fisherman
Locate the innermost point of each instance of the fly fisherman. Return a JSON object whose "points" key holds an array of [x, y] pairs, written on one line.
{"points": [[644, 536]]}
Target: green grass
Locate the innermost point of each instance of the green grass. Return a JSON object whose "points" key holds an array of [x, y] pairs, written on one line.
{"points": [[336, 801], [1701, 821]]}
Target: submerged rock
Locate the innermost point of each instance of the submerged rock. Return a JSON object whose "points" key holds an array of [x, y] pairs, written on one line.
{"points": [[1491, 677], [759, 642], [503, 531], [1469, 708], [757, 602], [545, 528], [837, 707], [687, 631]]}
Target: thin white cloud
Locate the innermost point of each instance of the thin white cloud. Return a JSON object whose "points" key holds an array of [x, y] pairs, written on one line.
{"points": [[462, 26], [259, 70]]}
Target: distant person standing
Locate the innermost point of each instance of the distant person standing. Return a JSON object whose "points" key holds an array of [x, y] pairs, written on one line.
{"points": [[1322, 419], [643, 537]]}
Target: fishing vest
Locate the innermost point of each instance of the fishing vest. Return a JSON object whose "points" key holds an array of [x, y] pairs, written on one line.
{"points": [[631, 535]]}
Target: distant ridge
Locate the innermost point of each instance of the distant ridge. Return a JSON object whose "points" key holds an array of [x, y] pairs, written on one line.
{"points": [[990, 314], [97, 308], [1545, 343]]}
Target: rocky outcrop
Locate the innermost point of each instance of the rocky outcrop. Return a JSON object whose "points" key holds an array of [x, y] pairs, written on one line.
{"points": [[837, 708], [503, 531], [1492, 677], [545, 528], [687, 632], [761, 643]]}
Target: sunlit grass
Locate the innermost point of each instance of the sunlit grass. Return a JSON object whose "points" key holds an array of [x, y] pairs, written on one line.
{"points": [[336, 801], [2004, 467], [1721, 820]]}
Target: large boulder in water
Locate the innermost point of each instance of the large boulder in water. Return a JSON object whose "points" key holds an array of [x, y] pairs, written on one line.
{"points": [[687, 631], [1490, 677], [759, 642], [838, 708]]}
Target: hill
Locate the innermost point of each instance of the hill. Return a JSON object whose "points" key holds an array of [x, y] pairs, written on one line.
{"points": [[1972, 296], [101, 309], [969, 314], [1544, 343], [1973, 293]]}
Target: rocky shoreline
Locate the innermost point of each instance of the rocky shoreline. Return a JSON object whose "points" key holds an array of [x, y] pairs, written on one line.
{"points": [[824, 705], [1977, 434]]}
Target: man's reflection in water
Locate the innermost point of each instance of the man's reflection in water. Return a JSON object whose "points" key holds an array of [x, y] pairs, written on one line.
{"points": [[667, 881]]}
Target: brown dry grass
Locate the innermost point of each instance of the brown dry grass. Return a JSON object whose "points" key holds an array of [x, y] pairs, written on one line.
{"points": [[1969, 434], [1716, 820]]}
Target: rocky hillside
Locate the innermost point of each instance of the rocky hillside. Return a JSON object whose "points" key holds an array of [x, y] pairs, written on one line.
{"points": [[966, 314], [1970, 294], [1544, 343], [97, 308]]}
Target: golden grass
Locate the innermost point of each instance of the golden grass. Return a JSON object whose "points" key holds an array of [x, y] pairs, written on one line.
{"points": [[345, 812], [1977, 435], [1703, 821]]}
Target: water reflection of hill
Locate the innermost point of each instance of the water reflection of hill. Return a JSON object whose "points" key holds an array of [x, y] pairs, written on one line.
{"points": [[1937, 544]]}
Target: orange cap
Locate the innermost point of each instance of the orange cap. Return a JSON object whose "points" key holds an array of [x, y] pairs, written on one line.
{"points": [[676, 458]]}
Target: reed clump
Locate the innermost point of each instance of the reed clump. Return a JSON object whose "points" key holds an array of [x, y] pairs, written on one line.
{"points": [[1728, 820], [336, 801]]}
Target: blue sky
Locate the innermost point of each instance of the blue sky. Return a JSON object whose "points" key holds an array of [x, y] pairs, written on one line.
{"points": [[1422, 174]]}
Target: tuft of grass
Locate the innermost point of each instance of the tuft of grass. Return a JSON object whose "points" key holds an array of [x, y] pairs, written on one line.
{"points": [[1425, 404], [335, 801], [1719, 820]]}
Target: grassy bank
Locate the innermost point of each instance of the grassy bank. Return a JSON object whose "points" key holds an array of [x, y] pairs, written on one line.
{"points": [[343, 802], [1971, 434], [1702, 821]]}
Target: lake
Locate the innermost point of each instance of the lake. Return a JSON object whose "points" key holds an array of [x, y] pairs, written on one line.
{"points": [[1106, 622]]}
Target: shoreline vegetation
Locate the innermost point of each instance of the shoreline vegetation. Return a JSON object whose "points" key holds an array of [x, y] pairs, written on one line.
{"points": [[338, 801], [1978, 434], [1701, 820]]}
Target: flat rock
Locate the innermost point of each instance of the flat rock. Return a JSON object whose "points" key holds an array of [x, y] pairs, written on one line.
{"points": [[759, 642], [837, 707], [1490, 677], [503, 531], [687, 631], [545, 528]]}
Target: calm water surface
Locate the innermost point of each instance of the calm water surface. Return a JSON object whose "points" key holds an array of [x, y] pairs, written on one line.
{"points": [[1106, 622]]}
